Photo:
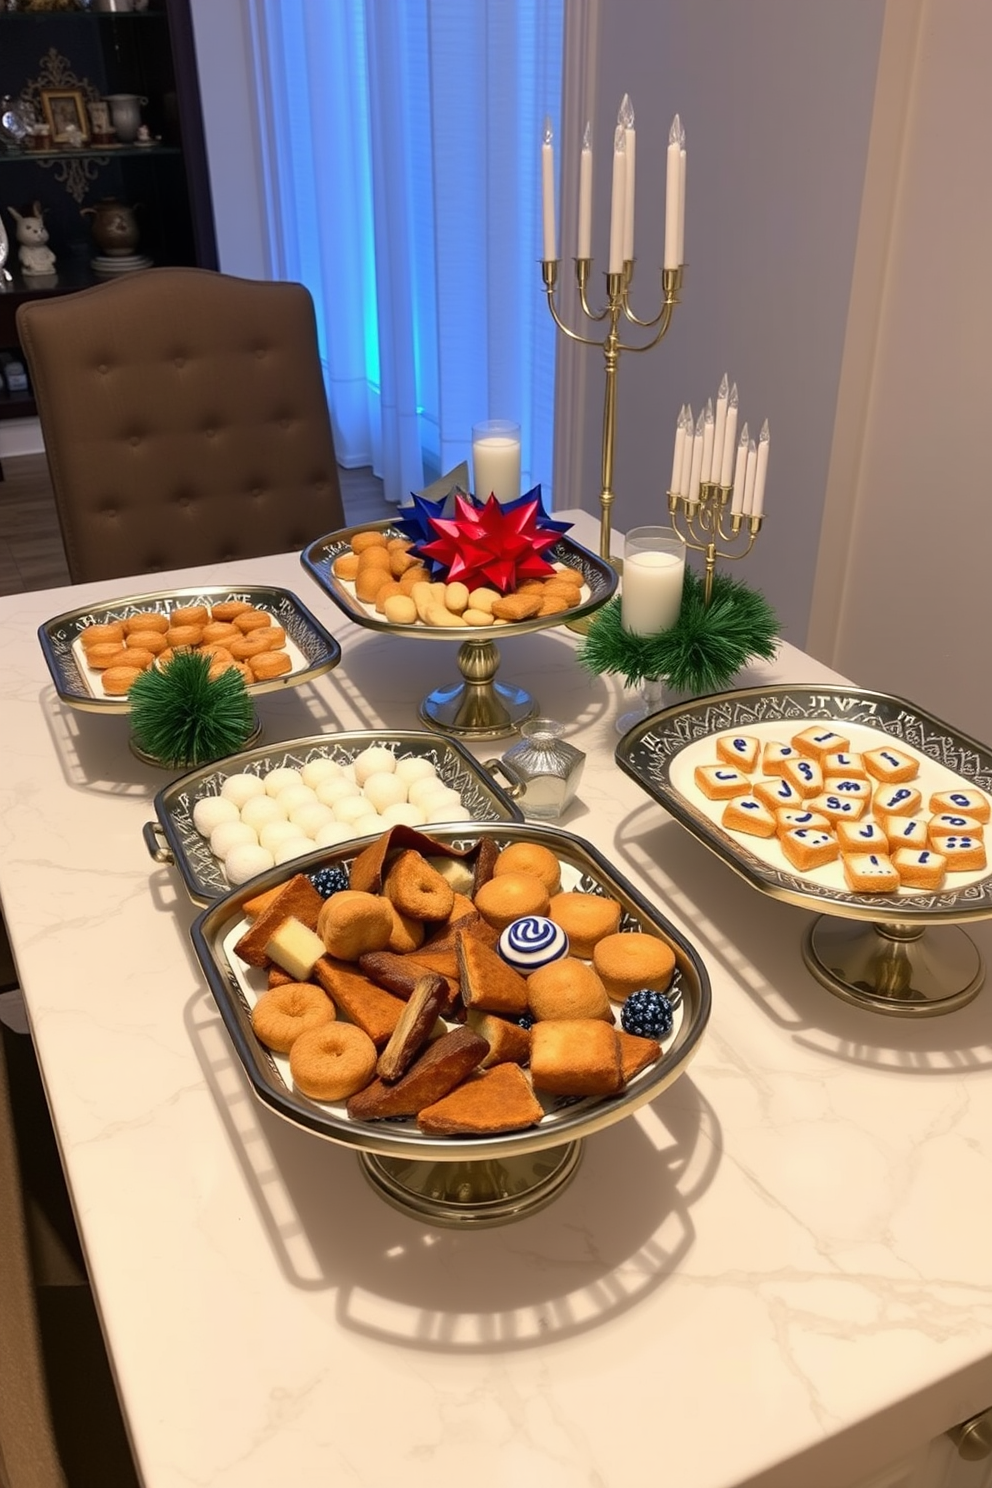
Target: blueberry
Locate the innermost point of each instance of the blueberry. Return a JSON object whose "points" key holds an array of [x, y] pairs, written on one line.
{"points": [[328, 881], [526, 1020], [648, 1014]]}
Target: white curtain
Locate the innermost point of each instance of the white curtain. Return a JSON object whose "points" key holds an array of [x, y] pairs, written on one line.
{"points": [[401, 143]]}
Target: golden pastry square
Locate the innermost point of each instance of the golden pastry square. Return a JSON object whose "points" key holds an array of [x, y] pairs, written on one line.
{"points": [[788, 818], [747, 814], [906, 831], [966, 802], [777, 795], [740, 750], [837, 808], [575, 1056], [774, 756], [891, 766], [819, 741], [842, 763], [963, 854], [807, 849], [951, 824], [848, 785], [864, 835], [919, 868], [721, 782], [896, 800], [870, 873], [804, 775]]}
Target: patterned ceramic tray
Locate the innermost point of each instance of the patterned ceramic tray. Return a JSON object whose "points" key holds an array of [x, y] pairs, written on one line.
{"points": [[599, 583], [662, 752], [312, 649], [236, 987], [203, 874]]}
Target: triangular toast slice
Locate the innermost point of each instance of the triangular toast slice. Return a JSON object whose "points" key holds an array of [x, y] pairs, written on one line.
{"points": [[497, 1100], [299, 900], [487, 981], [374, 1011]]}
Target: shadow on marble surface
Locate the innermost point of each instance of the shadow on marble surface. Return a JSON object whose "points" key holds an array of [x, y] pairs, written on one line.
{"points": [[757, 941], [614, 1236]]}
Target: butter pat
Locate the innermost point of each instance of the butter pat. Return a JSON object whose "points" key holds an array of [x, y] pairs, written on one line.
{"points": [[295, 948]]}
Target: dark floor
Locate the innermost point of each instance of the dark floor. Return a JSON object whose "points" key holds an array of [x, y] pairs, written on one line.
{"points": [[31, 554]]}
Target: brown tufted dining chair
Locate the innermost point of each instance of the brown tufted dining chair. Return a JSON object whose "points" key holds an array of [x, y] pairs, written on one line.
{"points": [[184, 418]]}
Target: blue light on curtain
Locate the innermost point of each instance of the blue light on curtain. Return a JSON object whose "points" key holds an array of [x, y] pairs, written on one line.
{"points": [[401, 146]]}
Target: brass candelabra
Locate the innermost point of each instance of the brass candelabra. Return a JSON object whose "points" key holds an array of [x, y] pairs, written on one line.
{"points": [[700, 526], [618, 286]]}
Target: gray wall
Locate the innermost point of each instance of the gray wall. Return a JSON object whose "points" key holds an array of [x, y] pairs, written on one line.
{"points": [[776, 97]]}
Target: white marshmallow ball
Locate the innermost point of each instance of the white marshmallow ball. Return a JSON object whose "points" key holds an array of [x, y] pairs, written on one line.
{"points": [[331, 834], [261, 810], [231, 834], [369, 825], [351, 808], [403, 814], [311, 817], [316, 770], [415, 768], [330, 792], [421, 791], [277, 831], [210, 811], [245, 861], [372, 760], [448, 814], [293, 847], [295, 796], [383, 789], [278, 780], [241, 788]]}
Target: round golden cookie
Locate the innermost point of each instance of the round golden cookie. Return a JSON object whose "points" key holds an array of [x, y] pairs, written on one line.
{"points": [[101, 635], [568, 989], [218, 631], [351, 923], [530, 857], [136, 656], [228, 608], [345, 566], [365, 540], [178, 636], [268, 664], [333, 1061], [145, 640], [282, 1013], [106, 654], [117, 681], [505, 899], [189, 615], [244, 647], [147, 620], [250, 620], [629, 961], [220, 665], [585, 919]]}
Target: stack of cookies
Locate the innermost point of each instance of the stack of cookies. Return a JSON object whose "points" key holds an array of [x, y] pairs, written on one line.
{"points": [[466, 991], [824, 802]]}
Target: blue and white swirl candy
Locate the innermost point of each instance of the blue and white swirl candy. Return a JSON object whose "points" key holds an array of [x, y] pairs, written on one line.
{"points": [[532, 942]]}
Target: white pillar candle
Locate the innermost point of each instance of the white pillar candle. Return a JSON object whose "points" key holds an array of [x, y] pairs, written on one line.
{"points": [[585, 197], [708, 435], [682, 162], [679, 448], [651, 595], [496, 460], [618, 200], [626, 118], [750, 474], [729, 439], [764, 445], [719, 427], [548, 191], [695, 469], [673, 192], [740, 471], [690, 432]]}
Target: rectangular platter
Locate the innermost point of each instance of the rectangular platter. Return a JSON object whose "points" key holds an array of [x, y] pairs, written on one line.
{"points": [[204, 875], [599, 581], [313, 649], [662, 752], [236, 987]]}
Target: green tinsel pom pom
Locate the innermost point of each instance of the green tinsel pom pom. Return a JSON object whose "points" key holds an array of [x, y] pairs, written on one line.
{"points": [[180, 717], [701, 652]]}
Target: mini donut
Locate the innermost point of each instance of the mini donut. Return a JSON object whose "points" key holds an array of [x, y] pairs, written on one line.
{"points": [[252, 619], [183, 635], [364, 540], [222, 664], [509, 897], [147, 620], [119, 680], [531, 942], [219, 630], [632, 960], [164, 657], [282, 1013], [273, 635], [530, 857], [345, 566], [585, 918], [244, 647], [351, 923], [145, 640], [100, 635], [228, 608], [332, 1062], [106, 654], [135, 656], [568, 989], [189, 615], [269, 664], [417, 889]]}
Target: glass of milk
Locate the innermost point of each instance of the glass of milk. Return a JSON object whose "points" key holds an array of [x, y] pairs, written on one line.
{"points": [[653, 575], [496, 460]]}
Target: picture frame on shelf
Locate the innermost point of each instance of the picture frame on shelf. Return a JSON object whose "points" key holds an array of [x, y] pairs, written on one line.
{"points": [[65, 113]]}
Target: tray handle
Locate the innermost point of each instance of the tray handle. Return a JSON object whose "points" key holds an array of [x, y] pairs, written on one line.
{"points": [[156, 844], [497, 767]]}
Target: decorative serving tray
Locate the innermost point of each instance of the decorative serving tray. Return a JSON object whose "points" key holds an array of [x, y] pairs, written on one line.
{"points": [[236, 987], [312, 649], [204, 875], [661, 754], [599, 583]]}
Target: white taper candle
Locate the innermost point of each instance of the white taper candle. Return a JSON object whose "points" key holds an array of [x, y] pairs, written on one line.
{"points": [[679, 448], [626, 118], [749, 477], [764, 445], [719, 427], [740, 472], [618, 200], [697, 459], [548, 191], [673, 192], [687, 448], [729, 439], [708, 428], [585, 196]]}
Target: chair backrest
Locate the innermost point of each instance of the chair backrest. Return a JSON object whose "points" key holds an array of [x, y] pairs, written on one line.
{"points": [[184, 418]]}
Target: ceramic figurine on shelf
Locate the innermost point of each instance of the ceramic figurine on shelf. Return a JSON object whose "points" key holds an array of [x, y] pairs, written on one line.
{"points": [[32, 235]]}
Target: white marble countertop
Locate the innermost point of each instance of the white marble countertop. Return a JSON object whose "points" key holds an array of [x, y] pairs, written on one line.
{"points": [[779, 1273]]}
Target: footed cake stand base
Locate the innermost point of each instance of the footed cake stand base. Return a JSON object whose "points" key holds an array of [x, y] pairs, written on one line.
{"points": [[473, 1194], [479, 707], [908, 971]]}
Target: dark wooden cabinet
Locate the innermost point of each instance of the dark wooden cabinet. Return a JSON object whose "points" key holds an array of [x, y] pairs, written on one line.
{"points": [[148, 52]]}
